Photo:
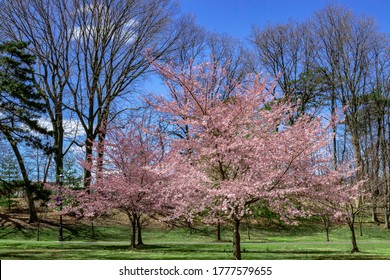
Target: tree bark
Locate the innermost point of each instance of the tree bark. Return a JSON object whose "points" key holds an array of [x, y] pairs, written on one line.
{"points": [[133, 222], [351, 224], [327, 226], [374, 214], [88, 164], [334, 126], [93, 230], [353, 239], [236, 239], [327, 234], [219, 232], [33, 217], [387, 214], [139, 233], [58, 129]]}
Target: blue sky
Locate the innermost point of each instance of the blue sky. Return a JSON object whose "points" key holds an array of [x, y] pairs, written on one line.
{"points": [[236, 17]]}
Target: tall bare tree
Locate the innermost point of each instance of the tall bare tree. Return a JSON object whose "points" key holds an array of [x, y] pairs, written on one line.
{"points": [[286, 52], [45, 24], [338, 62], [350, 54], [109, 43], [90, 53]]}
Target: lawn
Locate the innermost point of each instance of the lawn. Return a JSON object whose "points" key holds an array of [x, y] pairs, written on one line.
{"points": [[273, 242], [185, 251]]}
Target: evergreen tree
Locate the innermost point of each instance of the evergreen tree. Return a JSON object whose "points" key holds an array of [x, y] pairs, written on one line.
{"points": [[20, 107]]}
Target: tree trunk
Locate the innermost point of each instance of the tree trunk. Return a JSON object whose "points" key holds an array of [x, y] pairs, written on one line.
{"points": [[374, 213], [133, 222], [219, 232], [133, 235], [236, 240], [38, 230], [139, 227], [351, 224], [387, 215], [88, 164], [33, 217], [190, 227], [334, 127], [93, 230], [327, 226], [327, 234], [58, 144]]}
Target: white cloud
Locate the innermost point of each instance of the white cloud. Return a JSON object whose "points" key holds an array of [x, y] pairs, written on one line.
{"points": [[72, 128], [128, 32]]}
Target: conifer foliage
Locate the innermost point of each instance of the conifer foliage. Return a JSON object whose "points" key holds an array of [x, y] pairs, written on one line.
{"points": [[20, 106]]}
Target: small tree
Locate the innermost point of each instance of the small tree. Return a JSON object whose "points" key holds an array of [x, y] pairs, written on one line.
{"points": [[127, 182], [340, 206]]}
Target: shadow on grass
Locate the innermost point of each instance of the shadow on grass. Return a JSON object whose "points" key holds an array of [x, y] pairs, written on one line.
{"points": [[302, 252], [76, 232], [15, 227], [6, 220], [84, 251], [310, 254]]}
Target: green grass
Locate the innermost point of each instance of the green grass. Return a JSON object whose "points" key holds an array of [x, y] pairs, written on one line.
{"points": [[112, 242], [222, 251]]}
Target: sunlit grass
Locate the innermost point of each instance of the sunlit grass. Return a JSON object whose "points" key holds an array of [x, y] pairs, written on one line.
{"points": [[261, 242], [82, 251]]}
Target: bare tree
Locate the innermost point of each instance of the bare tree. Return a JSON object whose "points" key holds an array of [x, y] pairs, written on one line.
{"points": [[350, 54], [90, 53], [286, 52], [109, 42], [338, 63], [375, 119], [45, 24]]}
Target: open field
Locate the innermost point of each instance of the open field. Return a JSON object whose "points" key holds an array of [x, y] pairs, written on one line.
{"points": [[112, 235]]}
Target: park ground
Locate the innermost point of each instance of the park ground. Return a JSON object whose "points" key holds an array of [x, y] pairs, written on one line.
{"points": [[109, 238]]}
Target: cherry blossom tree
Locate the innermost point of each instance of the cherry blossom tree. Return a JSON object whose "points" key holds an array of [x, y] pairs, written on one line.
{"points": [[341, 205], [241, 150], [128, 182]]}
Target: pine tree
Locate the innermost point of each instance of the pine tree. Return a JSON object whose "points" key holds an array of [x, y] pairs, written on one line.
{"points": [[20, 107]]}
